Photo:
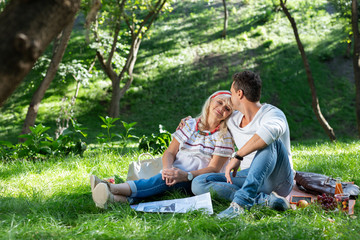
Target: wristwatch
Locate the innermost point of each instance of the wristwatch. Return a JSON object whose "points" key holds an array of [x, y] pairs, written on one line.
{"points": [[190, 176], [238, 157]]}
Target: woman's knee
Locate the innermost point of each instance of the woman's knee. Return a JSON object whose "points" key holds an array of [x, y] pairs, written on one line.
{"points": [[198, 185]]}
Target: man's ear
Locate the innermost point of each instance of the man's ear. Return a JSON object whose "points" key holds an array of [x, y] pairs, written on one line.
{"points": [[240, 93]]}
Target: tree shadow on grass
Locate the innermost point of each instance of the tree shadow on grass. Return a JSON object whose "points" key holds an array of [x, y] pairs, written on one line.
{"points": [[196, 29], [63, 208], [67, 208]]}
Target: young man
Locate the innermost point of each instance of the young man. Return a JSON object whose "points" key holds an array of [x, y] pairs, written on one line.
{"points": [[261, 133]]}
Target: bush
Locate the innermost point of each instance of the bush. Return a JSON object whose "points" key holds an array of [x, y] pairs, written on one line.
{"points": [[156, 143], [39, 144]]}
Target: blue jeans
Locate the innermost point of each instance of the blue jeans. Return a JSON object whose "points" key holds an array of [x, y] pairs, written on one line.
{"points": [[270, 171], [143, 188]]}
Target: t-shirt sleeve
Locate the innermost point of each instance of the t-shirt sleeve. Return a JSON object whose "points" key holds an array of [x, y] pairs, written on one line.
{"points": [[182, 135], [224, 146], [273, 125]]}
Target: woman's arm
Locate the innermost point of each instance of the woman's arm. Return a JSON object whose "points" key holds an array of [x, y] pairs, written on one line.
{"points": [[215, 165], [176, 175], [169, 155]]}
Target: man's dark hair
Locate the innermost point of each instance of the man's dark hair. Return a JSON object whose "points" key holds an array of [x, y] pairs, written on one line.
{"points": [[250, 83]]}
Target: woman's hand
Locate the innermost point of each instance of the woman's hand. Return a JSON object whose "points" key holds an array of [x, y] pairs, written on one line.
{"points": [[234, 165], [174, 175], [164, 174]]}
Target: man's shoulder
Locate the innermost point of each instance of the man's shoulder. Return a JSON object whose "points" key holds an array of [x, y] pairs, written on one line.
{"points": [[270, 109]]}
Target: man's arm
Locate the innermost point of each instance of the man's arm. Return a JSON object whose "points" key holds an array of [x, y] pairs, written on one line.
{"points": [[255, 143]]}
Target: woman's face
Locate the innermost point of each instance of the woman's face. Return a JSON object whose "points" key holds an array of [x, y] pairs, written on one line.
{"points": [[219, 108]]}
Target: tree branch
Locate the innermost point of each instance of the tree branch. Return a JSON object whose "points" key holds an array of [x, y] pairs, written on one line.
{"points": [[315, 101], [26, 29], [113, 46], [108, 69]]}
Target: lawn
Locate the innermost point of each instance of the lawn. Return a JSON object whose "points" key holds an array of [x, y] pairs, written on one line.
{"points": [[182, 62], [51, 199]]}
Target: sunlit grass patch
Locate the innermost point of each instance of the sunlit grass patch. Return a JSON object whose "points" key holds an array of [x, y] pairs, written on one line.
{"points": [[52, 199]]}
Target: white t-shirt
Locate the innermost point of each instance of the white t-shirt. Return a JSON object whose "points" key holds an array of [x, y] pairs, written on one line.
{"points": [[269, 123], [196, 150]]}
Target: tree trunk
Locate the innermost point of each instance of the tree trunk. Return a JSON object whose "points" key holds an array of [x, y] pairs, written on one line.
{"points": [[115, 83], [114, 109], [26, 29], [356, 59], [58, 53], [315, 102], [118, 93], [225, 19]]}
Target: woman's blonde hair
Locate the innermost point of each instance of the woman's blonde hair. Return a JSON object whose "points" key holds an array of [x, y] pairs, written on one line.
{"points": [[224, 95]]}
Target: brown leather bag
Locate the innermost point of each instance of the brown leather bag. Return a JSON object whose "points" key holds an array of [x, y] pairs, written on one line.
{"points": [[317, 184]]}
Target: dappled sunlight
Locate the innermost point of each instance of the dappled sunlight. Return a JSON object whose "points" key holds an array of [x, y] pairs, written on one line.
{"points": [[56, 194], [180, 62]]}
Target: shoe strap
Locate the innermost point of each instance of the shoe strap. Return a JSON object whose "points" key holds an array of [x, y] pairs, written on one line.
{"points": [[237, 208]]}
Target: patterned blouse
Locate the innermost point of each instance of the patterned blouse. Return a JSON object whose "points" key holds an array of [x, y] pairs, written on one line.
{"points": [[196, 149]]}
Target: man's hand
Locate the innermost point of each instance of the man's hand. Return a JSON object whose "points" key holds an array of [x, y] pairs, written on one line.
{"points": [[173, 176], [182, 122], [234, 165]]}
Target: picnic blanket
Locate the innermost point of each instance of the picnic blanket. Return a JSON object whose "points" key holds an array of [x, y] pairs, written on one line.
{"points": [[297, 192]]}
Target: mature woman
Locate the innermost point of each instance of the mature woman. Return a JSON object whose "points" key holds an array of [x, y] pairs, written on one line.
{"points": [[203, 145]]}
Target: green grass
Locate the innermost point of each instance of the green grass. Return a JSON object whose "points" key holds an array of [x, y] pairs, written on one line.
{"points": [[182, 62], [52, 199], [185, 60]]}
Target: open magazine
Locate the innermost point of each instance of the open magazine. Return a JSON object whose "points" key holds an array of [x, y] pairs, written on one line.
{"points": [[183, 205]]}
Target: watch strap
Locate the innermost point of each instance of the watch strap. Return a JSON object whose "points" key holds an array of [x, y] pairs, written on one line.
{"points": [[238, 157], [190, 176]]}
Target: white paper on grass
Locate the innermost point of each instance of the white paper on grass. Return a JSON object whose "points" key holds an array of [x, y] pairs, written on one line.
{"points": [[183, 205]]}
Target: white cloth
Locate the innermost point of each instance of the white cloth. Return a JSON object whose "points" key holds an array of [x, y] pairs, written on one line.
{"points": [[269, 123], [196, 150]]}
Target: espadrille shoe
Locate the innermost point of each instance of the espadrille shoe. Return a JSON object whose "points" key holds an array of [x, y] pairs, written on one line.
{"points": [[94, 180], [102, 195]]}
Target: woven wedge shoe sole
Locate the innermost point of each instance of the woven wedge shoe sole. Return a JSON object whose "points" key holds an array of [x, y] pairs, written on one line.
{"points": [[102, 195], [94, 180]]}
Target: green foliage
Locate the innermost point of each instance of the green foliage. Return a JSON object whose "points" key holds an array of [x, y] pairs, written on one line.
{"points": [[185, 60], [3, 4], [70, 141], [182, 62], [77, 69], [126, 136], [104, 45], [39, 145], [156, 143], [108, 124], [109, 136], [343, 7]]}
